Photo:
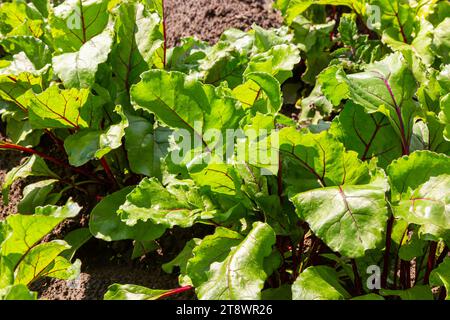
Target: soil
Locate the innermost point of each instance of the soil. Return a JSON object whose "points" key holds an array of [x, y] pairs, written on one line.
{"points": [[207, 19], [106, 263], [9, 160]]}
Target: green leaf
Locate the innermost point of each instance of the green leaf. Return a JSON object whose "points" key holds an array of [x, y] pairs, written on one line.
{"points": [[220, 178], [428, 203], [369, 296], [133, 292], [414, 247], [19, 18], [314, 107], [86, 145], [78, 69], [396, 18], [444, 115], [19, 89], [267, 38], [17, 292], [349, 219], [33, 166], [318, 160], [315, 42], [75, 239], [27, 230], [69, 108], [75, 22], [138, 40], [35, 195], [283, 292], [371, 135], [409, 172], [414, 293], [441, 276], [42, 6], [241, 275], [21, 133], [386, 86], [329, 84], [430, 134], [441, 40], [292, 8], [318, 283], [37, 260], [182, 258], [82, 146], [278, 62], [35, 49], [69, 210], [141, 248], [105, 222], [166, 94], [257, 85], [213, 248], [222, 63], [146, 146], [177, 204], [62, 269]]}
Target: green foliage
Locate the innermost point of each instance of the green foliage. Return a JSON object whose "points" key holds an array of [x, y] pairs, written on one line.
{"points": [[198, 134]]}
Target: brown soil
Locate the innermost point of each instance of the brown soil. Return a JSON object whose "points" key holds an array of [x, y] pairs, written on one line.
{"points": [[104, 263], [9, 160], [111, 266], [207, 19]]}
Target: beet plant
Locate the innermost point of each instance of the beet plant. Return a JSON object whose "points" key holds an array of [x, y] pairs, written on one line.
{"points": [[347, 200]]}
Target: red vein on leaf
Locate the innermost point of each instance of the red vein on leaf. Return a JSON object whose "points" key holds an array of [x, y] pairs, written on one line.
{"points": [[83, 23], [164, 33], [176, 291], [11, 146], [405, 144]]}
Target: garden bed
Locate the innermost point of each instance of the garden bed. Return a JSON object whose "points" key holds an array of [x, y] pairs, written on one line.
{"points": [[104, 264]]}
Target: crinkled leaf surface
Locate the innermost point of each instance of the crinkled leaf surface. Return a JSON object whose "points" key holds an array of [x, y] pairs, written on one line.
{"points": [[177, 204], [406, 174]]}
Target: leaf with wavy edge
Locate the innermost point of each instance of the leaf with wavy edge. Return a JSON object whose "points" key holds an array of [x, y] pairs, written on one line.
{"points": [[406, 174], [318, 160], [241, 275], [182, 103], [69, 108], [429, 203], [349, 219], [105, 222], [211, 249], [78, 69], [177, 204], [318, 283]]}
